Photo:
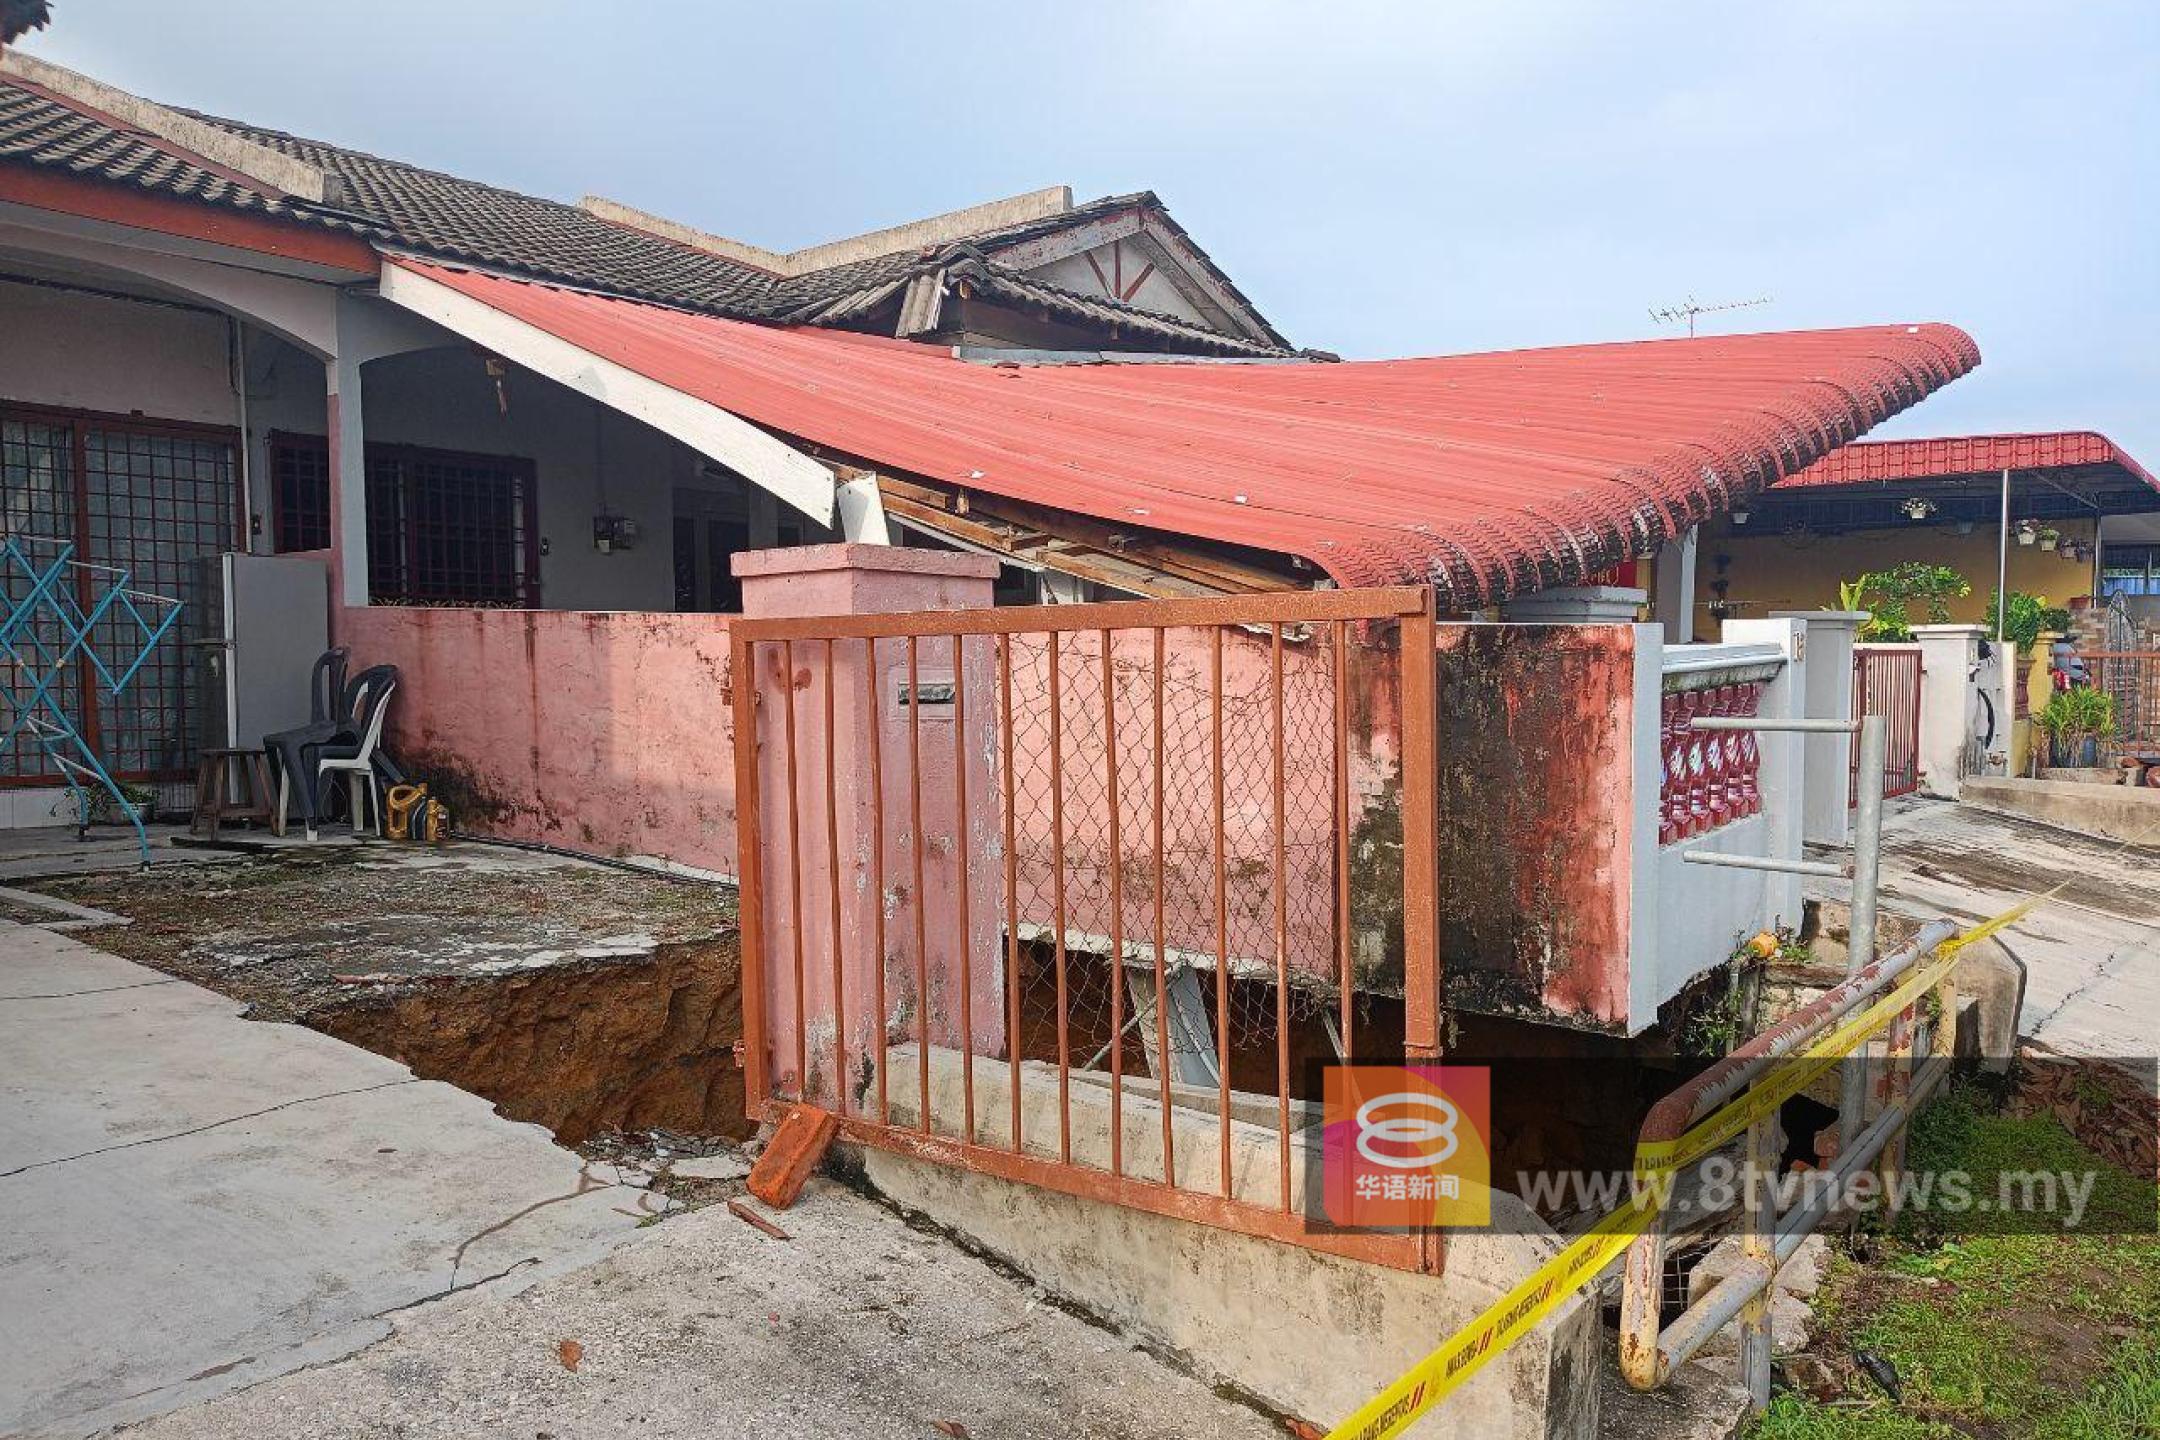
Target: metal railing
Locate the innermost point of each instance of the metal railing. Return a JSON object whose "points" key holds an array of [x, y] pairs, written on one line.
{"points": [[2132, 679], [1070, 894], [1886, 682], [1740, 1096]]}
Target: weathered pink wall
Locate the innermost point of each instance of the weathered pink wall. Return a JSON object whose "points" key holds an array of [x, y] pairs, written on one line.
{"points": [[603, 731], [612, 732]]}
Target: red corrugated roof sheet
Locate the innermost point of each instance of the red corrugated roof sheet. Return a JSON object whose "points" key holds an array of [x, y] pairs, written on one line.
{"points": [[1963, 456], [1485, 475]]}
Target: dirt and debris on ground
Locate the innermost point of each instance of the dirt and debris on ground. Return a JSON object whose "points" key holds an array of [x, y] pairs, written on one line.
{"points": [[583, 997]]}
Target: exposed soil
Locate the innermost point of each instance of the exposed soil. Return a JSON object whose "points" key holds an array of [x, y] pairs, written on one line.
{"points": [[622, 1045], [582, 998]]}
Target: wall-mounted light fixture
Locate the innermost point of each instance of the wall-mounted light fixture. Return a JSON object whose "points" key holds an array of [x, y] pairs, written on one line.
{"points": [[1739, 517]]}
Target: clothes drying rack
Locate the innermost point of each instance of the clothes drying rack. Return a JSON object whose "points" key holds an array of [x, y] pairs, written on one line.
{"points": [[60, 617]]}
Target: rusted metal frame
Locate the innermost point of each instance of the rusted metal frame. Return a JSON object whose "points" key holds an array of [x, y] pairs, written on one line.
{"points": [[1162, 981], [1012, 880], [1117, 909], [794, 845], [1398, 1252], [1344, 979], [1290, 607], [963, 856], [750, 868], [1057, 895], [1646, 1367], [1222, 903], [915, 853], [1421, 836], [1645, 1359], [877, 868], [1282, 919], [832, 883]]}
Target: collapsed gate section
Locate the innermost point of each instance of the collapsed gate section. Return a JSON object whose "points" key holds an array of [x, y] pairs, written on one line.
{"points": [[1079, 895]]}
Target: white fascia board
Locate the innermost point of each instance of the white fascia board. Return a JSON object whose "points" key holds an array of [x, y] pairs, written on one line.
{"points": [[733, 441]]}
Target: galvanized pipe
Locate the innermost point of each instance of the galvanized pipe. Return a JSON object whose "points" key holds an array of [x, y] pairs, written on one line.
{"points": [[1867, 874], [1766, 862], [1799, 725], [1748, 1278]]}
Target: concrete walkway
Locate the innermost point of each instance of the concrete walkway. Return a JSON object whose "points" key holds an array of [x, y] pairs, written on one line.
{"points": [[855, 1325], [191, 1202], [2091, 954]]}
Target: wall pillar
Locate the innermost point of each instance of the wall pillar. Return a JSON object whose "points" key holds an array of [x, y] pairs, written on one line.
{"points": [[863, 866], [348, 481], [1826, 809], [1675, 605], [1948, 654]]}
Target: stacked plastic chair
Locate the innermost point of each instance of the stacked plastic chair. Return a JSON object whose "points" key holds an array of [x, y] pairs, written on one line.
{"points": [[58, 617]]}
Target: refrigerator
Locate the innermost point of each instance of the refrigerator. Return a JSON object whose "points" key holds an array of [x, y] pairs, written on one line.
{"points": [[269, 619]]}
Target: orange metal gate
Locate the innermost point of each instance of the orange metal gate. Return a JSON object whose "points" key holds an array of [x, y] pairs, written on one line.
{"points": [[1886, 682], [1083, 895]]}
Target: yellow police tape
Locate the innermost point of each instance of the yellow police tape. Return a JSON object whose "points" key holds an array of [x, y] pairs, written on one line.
{"points": [[1466, 1352]]}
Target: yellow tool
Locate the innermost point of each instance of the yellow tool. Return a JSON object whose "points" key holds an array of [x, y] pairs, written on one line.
{"points": [[398, 810]]}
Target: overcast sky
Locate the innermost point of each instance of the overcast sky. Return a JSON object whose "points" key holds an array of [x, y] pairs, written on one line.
{"points": [[1415, 178]]}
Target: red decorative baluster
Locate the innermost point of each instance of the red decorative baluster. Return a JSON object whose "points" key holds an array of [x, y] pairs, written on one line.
{"points": [[1723, 754], [1698, 764], [1672, 757], [1751, 696]]}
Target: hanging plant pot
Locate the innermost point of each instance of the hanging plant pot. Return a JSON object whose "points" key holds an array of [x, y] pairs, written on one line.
{"points": [[2027, 537]]}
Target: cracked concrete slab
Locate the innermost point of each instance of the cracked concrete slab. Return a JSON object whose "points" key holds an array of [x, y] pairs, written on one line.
{"points": [[194, 1202], [2092, 986], [855, 1325]]}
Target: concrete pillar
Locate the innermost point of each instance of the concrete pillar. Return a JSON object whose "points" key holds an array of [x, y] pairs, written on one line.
{"points": [[1947, 656], [348, 480], [863, 866], [1675, 608], [1828, 647]]}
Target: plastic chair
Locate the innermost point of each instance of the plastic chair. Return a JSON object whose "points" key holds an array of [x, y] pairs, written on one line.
{"points": [[329, 715], [356, 761]]}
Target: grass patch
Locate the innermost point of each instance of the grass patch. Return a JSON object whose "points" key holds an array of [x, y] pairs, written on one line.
{"points": [[1994, 1330]]}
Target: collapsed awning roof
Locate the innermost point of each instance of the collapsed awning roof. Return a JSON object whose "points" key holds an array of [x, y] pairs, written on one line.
{"points": [[1485, 475]]}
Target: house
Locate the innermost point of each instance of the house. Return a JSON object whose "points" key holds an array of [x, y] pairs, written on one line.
{"points": [[2068, 514]]}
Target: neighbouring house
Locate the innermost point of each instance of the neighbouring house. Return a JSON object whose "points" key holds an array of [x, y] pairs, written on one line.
{"points": [[528, 440], [2070, 514]]}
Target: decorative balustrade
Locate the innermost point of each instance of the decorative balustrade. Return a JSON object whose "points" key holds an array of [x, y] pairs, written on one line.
{"points": [[1710, 778]]}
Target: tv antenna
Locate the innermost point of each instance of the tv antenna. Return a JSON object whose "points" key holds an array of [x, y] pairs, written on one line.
{"points": [[1691, 307]]}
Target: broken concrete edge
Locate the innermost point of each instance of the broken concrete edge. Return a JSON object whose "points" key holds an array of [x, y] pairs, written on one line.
{"points": [[846, 1164], [72, 916], [2126, 814]]}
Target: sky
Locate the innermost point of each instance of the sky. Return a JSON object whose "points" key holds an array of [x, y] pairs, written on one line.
{"points": [[1382, 179]]}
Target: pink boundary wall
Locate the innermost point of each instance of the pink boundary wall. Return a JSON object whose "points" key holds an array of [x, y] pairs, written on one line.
{"points": [[612, 732], [607, 731]]}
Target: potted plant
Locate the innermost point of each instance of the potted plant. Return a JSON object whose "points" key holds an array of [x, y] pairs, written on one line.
{"points": [[2049, 537], [2028, 531], [2076, 721]]}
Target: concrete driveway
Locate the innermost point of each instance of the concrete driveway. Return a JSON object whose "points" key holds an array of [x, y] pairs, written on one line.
{"points": [[191, 1202], [2091, 953]]}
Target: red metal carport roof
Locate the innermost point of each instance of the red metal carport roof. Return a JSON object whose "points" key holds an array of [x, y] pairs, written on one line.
{"points": [[1966, 456], [1485, 475]]}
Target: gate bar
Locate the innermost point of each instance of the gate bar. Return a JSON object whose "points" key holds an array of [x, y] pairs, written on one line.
{"points": [[1823, 868]]}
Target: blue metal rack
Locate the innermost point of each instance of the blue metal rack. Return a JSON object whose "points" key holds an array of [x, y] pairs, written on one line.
{"points": [[51, 611]]}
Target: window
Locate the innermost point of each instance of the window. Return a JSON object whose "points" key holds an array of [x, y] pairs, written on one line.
{"points": [[152, 498], [2130, 570], [444, 527]]}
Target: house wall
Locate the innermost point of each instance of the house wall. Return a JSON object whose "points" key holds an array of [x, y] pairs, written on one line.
{"points": [[1768, 572], [587, 458], [600, 732], [1121, 260], [87, 352]]}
